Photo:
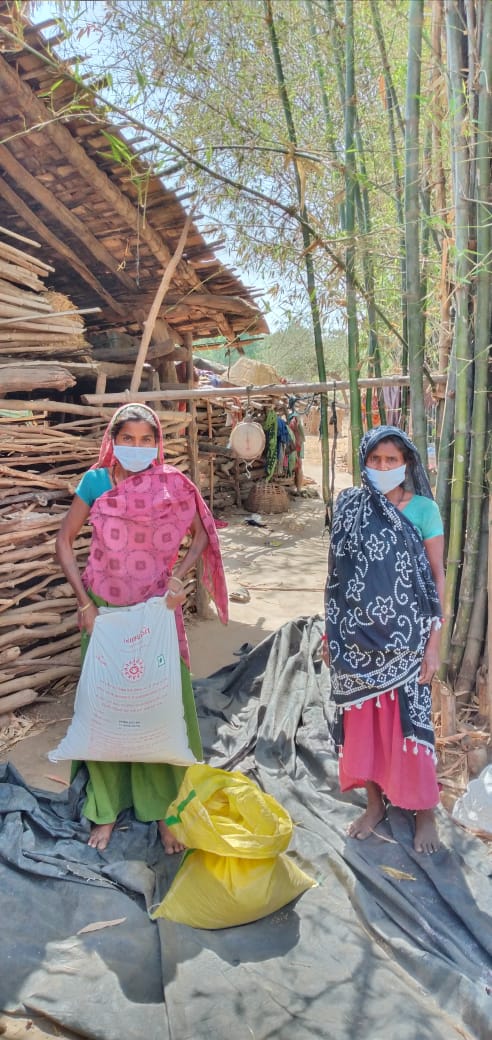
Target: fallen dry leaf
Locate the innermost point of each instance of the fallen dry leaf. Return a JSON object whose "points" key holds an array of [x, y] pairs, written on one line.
{"points": [[56, 779], [96, 926], [399, 875]]}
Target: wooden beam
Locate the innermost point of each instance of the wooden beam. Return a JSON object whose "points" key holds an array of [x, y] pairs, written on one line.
{"points": [[214, 302], [168, 350], [26, 376], [23, 179], [167, 332], [8, 404], [19, 206], [272, 389]]}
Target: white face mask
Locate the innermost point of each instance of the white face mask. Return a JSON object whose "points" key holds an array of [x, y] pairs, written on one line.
{"points": [[134, 460], [385, 480]]}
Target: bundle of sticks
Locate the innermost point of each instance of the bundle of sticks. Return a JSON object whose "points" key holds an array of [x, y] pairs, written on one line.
{"points": [[33, 321], [41, 466]]}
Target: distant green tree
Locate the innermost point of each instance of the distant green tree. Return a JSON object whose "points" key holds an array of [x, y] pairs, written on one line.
{"points": [[291, 353]]}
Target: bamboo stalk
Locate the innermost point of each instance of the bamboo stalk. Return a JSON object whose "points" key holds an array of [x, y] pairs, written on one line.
{"points": [[462, 349], [412, 246], [483, 314]]}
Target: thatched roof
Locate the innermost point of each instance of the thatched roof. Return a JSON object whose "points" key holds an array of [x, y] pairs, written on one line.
{"points": [[61, 185]]}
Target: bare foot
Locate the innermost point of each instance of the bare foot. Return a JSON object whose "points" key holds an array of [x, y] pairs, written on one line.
{"points": [[100, 835], [170, 843], [361, 827], [426, 836]]}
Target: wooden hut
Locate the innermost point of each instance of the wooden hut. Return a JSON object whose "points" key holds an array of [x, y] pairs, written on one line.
{"points": [[88, 231], [107, 226]]}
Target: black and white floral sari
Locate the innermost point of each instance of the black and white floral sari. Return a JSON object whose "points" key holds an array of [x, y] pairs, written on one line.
{"points": [[380, 599]]}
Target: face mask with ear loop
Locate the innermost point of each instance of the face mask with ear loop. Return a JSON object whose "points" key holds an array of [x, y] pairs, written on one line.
{"points": [[134, 460], [385, 480]]}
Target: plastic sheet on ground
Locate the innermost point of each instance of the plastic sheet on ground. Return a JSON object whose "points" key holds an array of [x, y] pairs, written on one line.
{"points": [[389, 944]]}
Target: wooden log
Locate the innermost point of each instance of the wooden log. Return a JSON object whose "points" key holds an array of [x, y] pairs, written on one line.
{"points": [[59, 407], [11, 653], [23, 378], [213, 302], [36, 681], [241, 392], [40, 631], [16, 236], [19, 275], [448, 711], [19, 256], [74, 327], [21, 699]]}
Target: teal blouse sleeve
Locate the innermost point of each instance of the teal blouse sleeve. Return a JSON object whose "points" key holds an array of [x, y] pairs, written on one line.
{"points": [[425, 516], [93, 484]]}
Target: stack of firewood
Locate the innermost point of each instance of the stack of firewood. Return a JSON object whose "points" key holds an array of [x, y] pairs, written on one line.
{"points": [[41, 466], [33, 321]]}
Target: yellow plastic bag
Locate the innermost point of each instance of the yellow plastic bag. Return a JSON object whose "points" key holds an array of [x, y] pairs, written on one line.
{"points": [[235, 871]]}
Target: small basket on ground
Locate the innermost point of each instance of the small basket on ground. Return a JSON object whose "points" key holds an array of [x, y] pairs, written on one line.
{"points": [[266, 497]]}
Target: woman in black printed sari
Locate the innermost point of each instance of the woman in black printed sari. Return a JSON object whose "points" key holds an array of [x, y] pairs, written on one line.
{"points": [[383, 614]]}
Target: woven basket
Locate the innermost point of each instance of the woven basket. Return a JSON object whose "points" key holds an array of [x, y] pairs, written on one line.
{"points": [[266, 497]]}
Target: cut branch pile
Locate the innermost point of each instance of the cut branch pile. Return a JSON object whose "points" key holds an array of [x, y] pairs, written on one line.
{"points": [[33, 322], [41, 466]]}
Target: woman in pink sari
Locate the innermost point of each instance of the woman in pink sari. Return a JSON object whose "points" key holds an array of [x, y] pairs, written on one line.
{"points": [[140, 510]]}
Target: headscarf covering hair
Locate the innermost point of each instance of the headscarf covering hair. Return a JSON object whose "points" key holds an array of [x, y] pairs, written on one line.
{"points": [[416, 478], [129, 413]]}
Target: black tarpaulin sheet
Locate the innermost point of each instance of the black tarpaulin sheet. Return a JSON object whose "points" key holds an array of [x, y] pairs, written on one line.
{"points": [[363, 955]]}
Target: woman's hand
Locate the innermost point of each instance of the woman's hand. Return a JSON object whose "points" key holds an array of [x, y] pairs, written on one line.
{"points": [[430, 662], [175, 595], [175, 599], [86, 616]]}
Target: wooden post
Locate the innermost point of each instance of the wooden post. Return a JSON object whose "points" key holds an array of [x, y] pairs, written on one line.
{"points": [[448, 712], [157, 304], [101, 382], [202, 598], [212, 463]]}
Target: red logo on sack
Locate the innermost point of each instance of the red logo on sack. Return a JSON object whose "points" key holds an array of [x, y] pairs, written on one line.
{"points": [[134, 669]]}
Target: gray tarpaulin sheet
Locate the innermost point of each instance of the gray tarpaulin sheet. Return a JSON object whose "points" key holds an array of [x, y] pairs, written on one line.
{"points": [[363, 955]]}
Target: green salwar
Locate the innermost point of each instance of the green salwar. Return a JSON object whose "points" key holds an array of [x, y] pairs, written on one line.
{"points": [[147, 787]]}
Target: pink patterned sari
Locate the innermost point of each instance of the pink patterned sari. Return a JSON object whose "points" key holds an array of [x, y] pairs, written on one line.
{"points": [[137, 529]]}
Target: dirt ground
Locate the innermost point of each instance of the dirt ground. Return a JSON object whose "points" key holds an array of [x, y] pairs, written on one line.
{"points": [[281, 567]]}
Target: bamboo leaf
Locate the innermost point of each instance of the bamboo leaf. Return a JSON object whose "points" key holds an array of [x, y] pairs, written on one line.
{"points": [[398, 875], [97, 926]]}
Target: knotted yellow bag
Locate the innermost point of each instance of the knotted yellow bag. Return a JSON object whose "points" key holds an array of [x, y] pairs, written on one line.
{"points": [[235, 870]]}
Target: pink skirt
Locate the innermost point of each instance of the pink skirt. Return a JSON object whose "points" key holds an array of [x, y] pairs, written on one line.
{"points": [[374, 750]]}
